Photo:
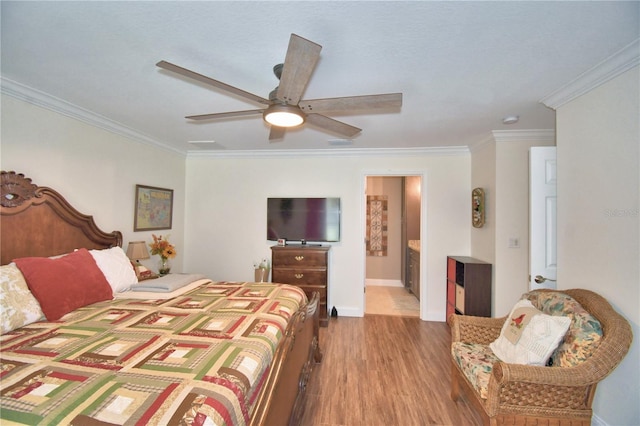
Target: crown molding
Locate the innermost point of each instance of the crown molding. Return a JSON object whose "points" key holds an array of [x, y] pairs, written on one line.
{"points": [[339, 152], [36, 97], [44, 100], [344, 152], [536, 135], [616, 64], [524, 135]]}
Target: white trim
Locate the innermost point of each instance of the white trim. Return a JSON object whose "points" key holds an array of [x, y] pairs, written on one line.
{"points": [[60, 106], [616, 64], [47, 101], [44, 100], [542, 135], [528, 135], [344, 311], [332, 152], [597, 421], [372, 282], [488, 139]]}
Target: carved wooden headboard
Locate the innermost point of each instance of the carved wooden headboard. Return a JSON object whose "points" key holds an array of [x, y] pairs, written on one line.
{"points": [[38, 221]]}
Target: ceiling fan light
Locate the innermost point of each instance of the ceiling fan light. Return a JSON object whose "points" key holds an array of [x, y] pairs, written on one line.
{"points": [[283, 116]]}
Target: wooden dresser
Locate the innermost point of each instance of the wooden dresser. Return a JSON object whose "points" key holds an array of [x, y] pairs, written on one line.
{"points": [[306, 266]]}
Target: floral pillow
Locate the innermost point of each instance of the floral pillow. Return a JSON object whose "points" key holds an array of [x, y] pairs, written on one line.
{"points": [[585, 331], [18, 306]]}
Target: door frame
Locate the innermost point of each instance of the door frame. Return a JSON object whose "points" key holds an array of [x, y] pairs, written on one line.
{"points": [[423, 229]]}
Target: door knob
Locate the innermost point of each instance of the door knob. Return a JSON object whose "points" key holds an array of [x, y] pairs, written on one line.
{"points": [[540, 279]]}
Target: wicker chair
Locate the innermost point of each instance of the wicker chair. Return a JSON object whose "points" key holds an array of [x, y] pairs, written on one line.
{"points": [[527, 395]]}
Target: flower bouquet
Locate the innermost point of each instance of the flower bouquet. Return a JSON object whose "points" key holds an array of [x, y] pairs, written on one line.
{"points": [[163, 248]]}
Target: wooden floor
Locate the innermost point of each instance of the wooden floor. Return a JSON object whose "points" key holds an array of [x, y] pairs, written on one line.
{"points": [[384, 370]]}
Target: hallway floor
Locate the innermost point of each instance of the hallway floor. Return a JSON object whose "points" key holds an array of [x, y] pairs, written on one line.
{"points": [[396, 301]]}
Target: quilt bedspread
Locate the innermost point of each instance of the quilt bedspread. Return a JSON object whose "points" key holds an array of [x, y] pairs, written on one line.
{"points": [[200, 358]]}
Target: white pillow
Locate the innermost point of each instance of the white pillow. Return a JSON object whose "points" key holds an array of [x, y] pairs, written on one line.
{"points": [[528, 336], [116, 267], [18, 306]]}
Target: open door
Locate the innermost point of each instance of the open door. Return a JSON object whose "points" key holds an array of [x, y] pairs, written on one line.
{"points": [[543, 262]]}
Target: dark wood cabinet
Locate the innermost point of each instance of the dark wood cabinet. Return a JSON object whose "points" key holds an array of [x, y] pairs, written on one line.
{"points": [[414, 272], [468, 286], [305, 266]]}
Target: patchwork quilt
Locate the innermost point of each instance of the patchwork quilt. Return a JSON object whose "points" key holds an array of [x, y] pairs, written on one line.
{"points": [[200, 358]]}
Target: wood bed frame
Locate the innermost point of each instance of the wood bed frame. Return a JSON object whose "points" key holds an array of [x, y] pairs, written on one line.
{"points": [[38, 221]]}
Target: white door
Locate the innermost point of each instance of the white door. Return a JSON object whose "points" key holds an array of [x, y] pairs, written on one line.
{"points": [[543, 262]]}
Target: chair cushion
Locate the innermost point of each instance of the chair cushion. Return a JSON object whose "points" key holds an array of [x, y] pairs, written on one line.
{"points": [[585, 331], [476, 362]]}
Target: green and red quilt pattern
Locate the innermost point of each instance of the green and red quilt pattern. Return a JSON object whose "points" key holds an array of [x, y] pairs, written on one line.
{"points": [[198, 359]]}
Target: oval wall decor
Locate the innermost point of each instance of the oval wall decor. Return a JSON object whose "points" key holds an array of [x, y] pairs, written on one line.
{"points": [[477, 207]]}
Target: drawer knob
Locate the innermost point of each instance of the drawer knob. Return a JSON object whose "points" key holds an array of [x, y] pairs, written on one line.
{"points": [[299, 258], [298, 276]]}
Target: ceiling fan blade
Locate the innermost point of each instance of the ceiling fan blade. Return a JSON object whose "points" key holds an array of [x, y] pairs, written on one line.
{"points": [[225, 114], [332, 125], [211, 82], [302, 57], [352, 103], [276, 133]]}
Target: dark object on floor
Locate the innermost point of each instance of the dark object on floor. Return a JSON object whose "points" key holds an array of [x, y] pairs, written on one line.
{"points": [[334, 312]]}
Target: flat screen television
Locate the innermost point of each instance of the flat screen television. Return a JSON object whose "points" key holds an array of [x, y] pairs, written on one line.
{"points": [[303, 219]]}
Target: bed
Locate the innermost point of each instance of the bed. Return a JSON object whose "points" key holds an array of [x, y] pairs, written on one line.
{"points": [[230, 353]]}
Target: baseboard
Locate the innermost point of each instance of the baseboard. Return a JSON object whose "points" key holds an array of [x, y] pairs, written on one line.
{"points": [[344, 311], [382, 283], [597, 421], [436, 316]]}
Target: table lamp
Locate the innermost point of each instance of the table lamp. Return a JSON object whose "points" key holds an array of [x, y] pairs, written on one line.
{"points": [[135, 251]]}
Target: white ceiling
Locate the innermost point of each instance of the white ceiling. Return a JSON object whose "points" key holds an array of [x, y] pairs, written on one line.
{"points": [[461, 66]]}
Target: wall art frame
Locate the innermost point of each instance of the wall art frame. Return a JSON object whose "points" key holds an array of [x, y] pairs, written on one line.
{"points": [[477, 207], [153, 208]]}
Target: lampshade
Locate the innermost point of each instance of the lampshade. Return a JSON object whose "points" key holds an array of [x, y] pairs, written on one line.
{"points": [[283, 115], [137, 250]]}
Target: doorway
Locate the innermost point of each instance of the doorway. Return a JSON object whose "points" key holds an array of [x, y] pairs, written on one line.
{"points": [[392, 245]]}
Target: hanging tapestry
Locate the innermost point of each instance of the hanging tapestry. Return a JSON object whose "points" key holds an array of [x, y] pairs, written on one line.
{"points": [[376, 225]]}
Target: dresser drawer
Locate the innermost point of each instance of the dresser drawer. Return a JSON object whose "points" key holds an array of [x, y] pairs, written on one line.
{"points": [[460, 298], [299, 258], [306, 267], [310, 289], [299, 277]]}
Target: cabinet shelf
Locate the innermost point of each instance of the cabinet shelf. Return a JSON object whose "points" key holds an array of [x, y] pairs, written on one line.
{"points": [[468, 286]]}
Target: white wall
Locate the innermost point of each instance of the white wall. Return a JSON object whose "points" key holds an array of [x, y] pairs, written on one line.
{"points": [[598, 221], [97, 170], [483, 240], [94, 169], [501, 167], [512, 214], [226, 207]]}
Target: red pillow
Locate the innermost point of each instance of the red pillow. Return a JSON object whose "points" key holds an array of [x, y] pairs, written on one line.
{"points": [[66, 283]]}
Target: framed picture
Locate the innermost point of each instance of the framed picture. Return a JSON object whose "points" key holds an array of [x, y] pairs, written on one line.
{"points": [[477, 207], [153, 208]]}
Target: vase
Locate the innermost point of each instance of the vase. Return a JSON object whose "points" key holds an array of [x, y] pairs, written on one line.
{"points": [[164, 266], [261, 275]]}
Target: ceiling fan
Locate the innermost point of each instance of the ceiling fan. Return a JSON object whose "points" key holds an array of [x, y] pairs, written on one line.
{"points": [[284, 108]]}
